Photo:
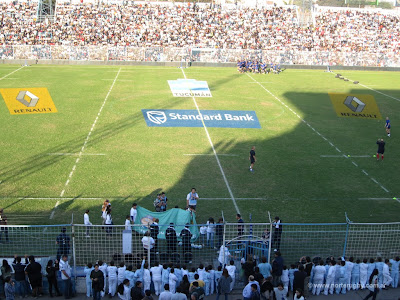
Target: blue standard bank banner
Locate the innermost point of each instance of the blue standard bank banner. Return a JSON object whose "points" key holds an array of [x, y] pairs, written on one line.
{"points": [[192, 118]]}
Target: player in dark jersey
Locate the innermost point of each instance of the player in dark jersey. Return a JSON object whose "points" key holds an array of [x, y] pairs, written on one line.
{"points": [[381, 148], [387, 126], [252, 158]]}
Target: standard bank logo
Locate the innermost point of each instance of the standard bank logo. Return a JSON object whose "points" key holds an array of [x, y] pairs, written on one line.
{"points": [[157, 117], [192, 118], [355, 106], [189, 88], [28, 101]]}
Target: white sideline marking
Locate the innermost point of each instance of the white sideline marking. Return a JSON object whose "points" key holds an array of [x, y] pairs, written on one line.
{"points": [[5, 76], [215, 152], [354, 163], [376, 91], [305, 122], [261, 82], [120, 79], [200, 154], [88, 136], [358, 156], [9, 78], [231, 198], [75, 154]]}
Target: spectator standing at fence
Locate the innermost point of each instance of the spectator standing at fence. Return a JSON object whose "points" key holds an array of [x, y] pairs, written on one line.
{"points": [[363, 273], [277, 268], [276, 243], [379, 265], [186, 237], [19, 276], [3, 226], [395, 271], [355, 275], [156, 272], [124, 292], [34, 272], [87, 222], [109, 221], [299, 277], [240, 227], [66, 273], [170, 236], [318, 279], [62, 242], [103, 268], [88, 270], [173, 280], [191, 199], [154, 230], [210, 232], [373, 285], [121, 272], [51, 270], [349, 270], [387, 280], [265, 268], [248, 267], [97, 278], [165, 276], [232, 272], [9, 288], [133, 213], [112, 278], [148, 242], [330, 278]]}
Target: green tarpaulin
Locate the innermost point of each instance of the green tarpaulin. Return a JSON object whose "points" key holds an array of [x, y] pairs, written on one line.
{"points": [[177, 216]]}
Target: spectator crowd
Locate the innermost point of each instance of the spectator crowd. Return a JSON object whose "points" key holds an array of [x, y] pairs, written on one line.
{"points": [[192, 26]]}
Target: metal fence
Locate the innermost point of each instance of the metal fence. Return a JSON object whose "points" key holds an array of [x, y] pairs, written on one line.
{"points": [[256, 239], [210, 55]]}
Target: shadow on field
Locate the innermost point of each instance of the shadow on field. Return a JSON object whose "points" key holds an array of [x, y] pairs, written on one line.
{"points": [[18, 170]]}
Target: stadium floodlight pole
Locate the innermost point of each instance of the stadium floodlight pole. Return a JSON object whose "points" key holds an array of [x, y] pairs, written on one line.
{"points": [[270, 238]]}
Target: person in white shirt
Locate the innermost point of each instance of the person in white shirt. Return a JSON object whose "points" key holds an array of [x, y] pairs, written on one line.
{"points": [[318, 280], [156, 274], [232, 272], [280, 292], [363, 273], [87, 222], [191, 199], [108, 221], [121, 273], [349, 270], [210, 232], [387, 280], [128, 224], [66, 273], [173, 279], [112, 278], [146, 277], [330, 278], [126, 291], [133, 213], [166, 295], [88, 270], [201, 270], [148, 242]]}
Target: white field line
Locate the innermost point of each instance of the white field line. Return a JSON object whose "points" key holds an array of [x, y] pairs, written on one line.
{"points": [[204, 154], [260, 82], [306, 123], [376, 91], [75, 154], [341, 156], [215, 153], [200, 199], [54, 209], [88, 136], [5, 76], [379, 199]]}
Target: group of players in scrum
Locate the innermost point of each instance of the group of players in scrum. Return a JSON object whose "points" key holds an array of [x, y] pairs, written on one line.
{"points": [[256, 66]]}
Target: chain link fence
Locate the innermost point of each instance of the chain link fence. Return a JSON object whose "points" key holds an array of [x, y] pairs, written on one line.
{"points": [[206, 55], [112, 242]]}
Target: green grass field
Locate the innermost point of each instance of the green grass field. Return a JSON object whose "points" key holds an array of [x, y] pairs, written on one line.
{"points": [[126, 161]]}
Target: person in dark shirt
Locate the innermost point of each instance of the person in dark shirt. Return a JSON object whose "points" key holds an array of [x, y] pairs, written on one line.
{"points": [[137, 292], [97, 278], [277, 267], [154, 230], [219, 232], [170, 236], [248, 267], [63, 243], [19, 276], [51, 271], [258, 276], [255, 295], [299, 277], [186, 237], [240, 227], [34, 272], [381, 148], [252, 158]]}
